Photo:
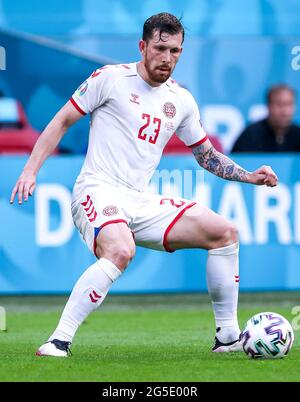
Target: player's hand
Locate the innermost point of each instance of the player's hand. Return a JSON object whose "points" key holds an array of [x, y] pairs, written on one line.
{"points": [[24, 187], [264, 176]]}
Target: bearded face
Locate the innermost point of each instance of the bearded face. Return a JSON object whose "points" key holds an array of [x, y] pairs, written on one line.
{"points": [[160, 55]]}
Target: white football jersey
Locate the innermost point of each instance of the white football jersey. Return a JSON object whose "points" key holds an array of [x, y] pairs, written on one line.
{"points": [[131, 122]]}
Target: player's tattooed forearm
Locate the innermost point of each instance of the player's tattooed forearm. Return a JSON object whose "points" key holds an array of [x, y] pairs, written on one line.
{"points": [[219, 164]]}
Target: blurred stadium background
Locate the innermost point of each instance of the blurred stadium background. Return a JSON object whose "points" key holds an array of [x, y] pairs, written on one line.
{"points": [[233, 52]]}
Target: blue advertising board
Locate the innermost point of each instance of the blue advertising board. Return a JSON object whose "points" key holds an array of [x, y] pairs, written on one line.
{"points": [[41, 251]]}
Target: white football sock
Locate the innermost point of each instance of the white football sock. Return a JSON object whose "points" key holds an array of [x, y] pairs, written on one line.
{"points": [[87, 295], [222, 275]]}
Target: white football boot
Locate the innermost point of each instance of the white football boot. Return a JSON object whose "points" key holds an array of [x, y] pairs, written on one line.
{"points": [[235, 346], [220, 347], [55, 348]]}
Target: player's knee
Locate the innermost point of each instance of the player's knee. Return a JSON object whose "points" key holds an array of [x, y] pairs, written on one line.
{"points": [[121, 255], [228, 235], [124, 255]]}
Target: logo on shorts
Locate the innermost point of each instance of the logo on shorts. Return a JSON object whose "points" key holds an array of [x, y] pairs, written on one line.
{"points": [[89, 209], [81, 90], [110, 210], [169, 110]]}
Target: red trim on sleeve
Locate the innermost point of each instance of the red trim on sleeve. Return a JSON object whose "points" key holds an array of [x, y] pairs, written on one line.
{"points": [[77, 107], [165, 239], [199, 142]]}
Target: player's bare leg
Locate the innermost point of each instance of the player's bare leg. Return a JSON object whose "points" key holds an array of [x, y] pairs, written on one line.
{"points": [[200, 227], [115, 248]]}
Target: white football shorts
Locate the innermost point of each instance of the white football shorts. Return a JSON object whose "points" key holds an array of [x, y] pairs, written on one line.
{"points": [[149, 216]]}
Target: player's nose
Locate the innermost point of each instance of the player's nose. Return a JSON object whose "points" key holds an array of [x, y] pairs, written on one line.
{"points": [[167, 56]]}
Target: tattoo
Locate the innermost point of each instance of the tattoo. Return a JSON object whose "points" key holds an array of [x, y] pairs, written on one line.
{"points": [[219, 164]]}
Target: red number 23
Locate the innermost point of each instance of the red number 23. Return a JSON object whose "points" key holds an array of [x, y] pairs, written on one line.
{"points": [[151, 138]]}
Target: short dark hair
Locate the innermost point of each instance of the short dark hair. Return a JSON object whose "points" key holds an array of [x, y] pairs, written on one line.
{"points": [[163, 22], [278, 88]]}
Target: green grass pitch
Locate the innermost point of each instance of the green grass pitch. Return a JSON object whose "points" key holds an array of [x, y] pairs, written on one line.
{"points": [[139, 338]]}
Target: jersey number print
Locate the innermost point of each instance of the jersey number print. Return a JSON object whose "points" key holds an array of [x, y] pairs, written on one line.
{"points": [[151, 138]]}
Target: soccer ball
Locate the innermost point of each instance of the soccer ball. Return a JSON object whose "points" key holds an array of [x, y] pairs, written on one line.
{"points": [[267, 336]]}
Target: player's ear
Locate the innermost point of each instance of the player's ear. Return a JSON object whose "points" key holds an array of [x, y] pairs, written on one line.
{"points": [[142, 46], [181, 50]]}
